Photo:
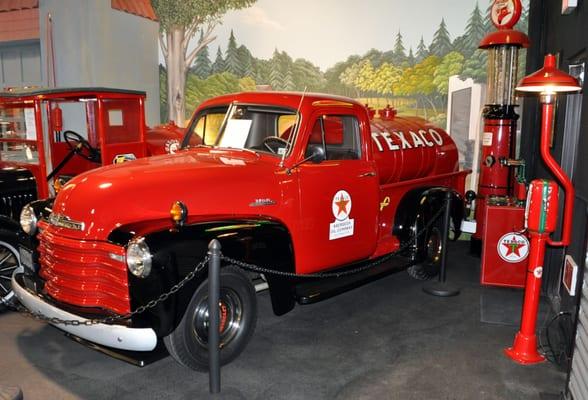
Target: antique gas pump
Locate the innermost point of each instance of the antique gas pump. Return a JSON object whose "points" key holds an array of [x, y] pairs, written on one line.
{"points": [[542, 207], [500, 194]]}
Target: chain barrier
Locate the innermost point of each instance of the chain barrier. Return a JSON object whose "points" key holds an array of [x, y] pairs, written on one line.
{"points": [[326, 275], [240, 264]]}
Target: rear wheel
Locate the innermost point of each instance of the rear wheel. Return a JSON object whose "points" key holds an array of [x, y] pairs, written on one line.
{"points": [[9, 262], [430, 256], [188, 343]]}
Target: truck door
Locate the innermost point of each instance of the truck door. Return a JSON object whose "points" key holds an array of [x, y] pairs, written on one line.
{"points": [[338, 197]]}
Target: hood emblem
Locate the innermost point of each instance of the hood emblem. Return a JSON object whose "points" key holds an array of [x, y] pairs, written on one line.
{"points": [[262, 202], [64, 221]]}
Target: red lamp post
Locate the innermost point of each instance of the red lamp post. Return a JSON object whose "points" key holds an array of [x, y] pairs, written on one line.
{"points": [[541, 212]]}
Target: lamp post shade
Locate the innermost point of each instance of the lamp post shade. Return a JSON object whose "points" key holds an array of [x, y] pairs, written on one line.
{"points": [[548, 80]]}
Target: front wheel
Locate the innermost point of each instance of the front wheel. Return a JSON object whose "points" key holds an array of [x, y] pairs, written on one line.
{"points": [[430, 256], [188, 343], [9, 262]]}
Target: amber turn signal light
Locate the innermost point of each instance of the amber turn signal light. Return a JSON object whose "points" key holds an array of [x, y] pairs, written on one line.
{"points": [[57, 185], [179, 213]]}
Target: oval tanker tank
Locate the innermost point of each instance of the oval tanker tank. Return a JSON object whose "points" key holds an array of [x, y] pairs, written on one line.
{"points": [[407, 148]]}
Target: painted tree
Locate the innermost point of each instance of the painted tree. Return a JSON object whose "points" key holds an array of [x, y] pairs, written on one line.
{"points": [[307, 75], [163, 94], [288, 81], [219, 63], [399, 50], [179, 21], [366, 76], [198, 90], [467, 43], [332, 76], [475, 67], [422, 51], [262, 70], [386, 77], [350, 77], [416, 82], [245, 61], [275, 75], [232, 61], [285, 66], [202, 65], [247, 84], [441, 43], [475, 31], [451, 64], [411, 59], [488, 25]]}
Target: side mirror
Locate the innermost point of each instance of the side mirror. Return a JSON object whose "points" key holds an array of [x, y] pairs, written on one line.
{"points": [[316, 153]]}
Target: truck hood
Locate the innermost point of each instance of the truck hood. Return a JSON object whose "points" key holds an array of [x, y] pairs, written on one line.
{"points": [[210, 182]]}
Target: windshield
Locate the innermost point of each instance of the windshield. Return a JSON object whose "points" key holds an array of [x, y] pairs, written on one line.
{"points": [[254, 127]]}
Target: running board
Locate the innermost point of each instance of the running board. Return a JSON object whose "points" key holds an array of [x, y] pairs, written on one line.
{"points": [[321, 289]]}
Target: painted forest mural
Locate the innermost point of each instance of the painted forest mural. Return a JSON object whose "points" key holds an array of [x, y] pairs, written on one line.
{"points": [[414, 80]]}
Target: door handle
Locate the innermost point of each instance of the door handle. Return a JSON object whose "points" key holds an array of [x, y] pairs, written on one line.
{"points": [[367, 174]]}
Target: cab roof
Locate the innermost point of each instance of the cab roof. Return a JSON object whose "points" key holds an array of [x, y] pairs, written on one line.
{"points": [[285, 99], [74, 92]]}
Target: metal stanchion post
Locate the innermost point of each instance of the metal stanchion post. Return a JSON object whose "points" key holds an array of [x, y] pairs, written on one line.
{"points": [[442, 288], [214, 251]]}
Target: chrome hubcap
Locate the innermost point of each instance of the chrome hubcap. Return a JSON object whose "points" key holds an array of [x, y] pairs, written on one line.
{"points": [[8, 264], [434, 246], [231, 315]]}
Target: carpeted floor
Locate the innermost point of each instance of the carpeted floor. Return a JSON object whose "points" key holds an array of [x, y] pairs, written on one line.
{"points": [[385, 340]]}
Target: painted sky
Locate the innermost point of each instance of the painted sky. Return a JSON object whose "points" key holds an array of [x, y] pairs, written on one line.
{"points": [[327, 31]]}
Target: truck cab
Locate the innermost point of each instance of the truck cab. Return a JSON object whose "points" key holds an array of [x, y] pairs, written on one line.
{"points": [[307, 186], [47, 136]]}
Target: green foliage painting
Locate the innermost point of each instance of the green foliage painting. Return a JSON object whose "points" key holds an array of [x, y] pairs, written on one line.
{"points": [[415, 80]]}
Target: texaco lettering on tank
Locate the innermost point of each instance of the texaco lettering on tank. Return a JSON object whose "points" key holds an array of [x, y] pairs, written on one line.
{"points": [[423, 138]]}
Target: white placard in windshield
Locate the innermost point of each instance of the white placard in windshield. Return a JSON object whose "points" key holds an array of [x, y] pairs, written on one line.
{"points": [[31, 130], [235, 134]]}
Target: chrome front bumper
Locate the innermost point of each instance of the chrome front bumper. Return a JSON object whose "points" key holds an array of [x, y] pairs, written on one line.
{"points": [[115, 336]]}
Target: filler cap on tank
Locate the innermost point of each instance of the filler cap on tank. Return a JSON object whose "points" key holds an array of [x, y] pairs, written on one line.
{"points": [[388, 113]]}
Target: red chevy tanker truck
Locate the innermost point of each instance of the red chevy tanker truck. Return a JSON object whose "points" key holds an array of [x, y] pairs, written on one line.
{"points": [[297, 183]]}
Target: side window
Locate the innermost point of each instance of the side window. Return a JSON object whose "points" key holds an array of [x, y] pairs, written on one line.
{"points": [[207, 127], [338, 134]]}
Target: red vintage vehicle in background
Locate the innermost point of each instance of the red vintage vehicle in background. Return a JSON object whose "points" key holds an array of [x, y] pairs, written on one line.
{"points": [[48, 136], [297, 183]]}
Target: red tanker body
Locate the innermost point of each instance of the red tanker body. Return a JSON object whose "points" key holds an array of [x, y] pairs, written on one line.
{"points": [[300, 184]]}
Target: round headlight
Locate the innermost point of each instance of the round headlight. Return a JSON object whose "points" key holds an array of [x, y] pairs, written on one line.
{"points": [[28, 220], [139, 258]]}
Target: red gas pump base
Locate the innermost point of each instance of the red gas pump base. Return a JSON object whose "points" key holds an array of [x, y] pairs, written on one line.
{"points": [[524, 350]]}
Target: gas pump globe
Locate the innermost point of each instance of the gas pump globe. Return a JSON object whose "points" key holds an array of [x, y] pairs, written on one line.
{"points": [[497, 184]]}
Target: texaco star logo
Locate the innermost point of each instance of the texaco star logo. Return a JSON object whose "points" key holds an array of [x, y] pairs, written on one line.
{"points": [[513, 247], [172, 146], [341, 205]]}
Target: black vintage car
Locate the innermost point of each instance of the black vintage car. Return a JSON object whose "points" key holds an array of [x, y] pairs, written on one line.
{"points": [[17, 188], [47, 136]]}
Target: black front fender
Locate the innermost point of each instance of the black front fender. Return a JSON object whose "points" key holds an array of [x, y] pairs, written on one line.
{"points": [[176, 252]]}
